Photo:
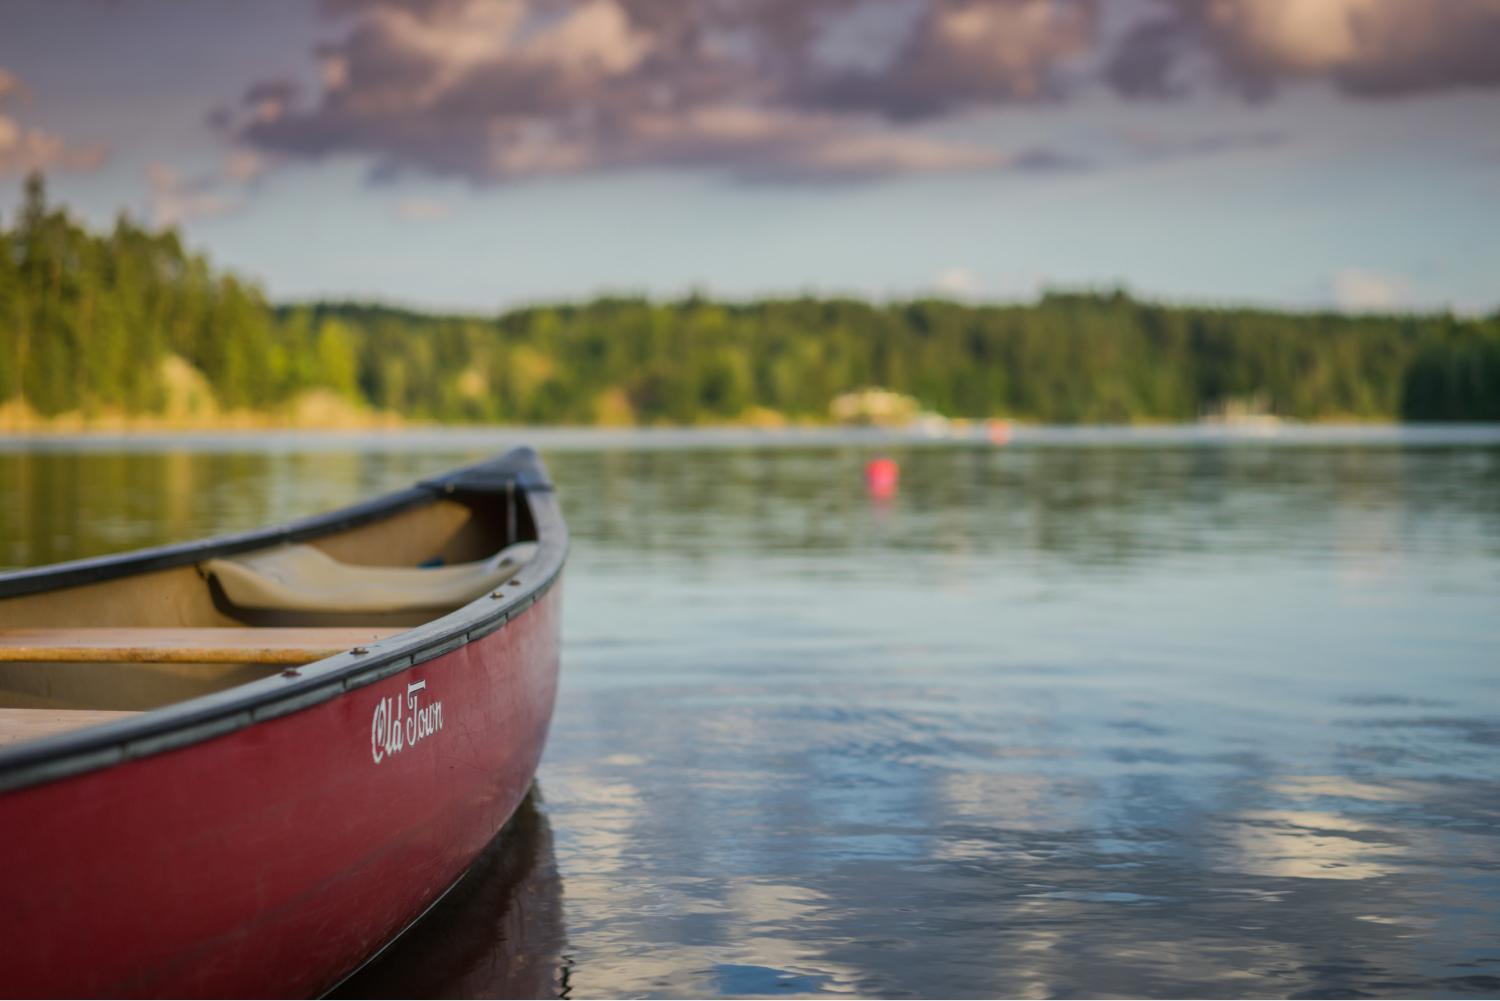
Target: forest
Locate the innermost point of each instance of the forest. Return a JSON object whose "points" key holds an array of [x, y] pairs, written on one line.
{"points": [[131, 322]]}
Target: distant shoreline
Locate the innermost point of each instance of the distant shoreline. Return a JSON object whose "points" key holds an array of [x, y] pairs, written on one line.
{"points": [[483, 438], [345, 417], [181, 345], [353, 421]]}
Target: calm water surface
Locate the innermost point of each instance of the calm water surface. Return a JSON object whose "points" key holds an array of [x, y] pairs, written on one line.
{"points": [[1090, 715]]}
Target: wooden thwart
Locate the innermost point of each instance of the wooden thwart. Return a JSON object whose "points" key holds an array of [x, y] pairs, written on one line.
{"points": [[183, 646], [17, 725]]}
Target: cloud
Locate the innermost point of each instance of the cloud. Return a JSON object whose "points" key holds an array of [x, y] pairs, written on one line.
{"points": [[174, 198], [25, 148], [245, 166], [268, 100], [422, 210], [1370, 48], [958, 283], [964, 54], [793, 91], [1152, 144], [1358, 291], [496, 90]]}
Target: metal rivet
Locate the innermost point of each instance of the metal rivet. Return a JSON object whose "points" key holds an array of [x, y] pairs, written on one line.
{"points": [[291, 672], [497, 594], [359, 649]]}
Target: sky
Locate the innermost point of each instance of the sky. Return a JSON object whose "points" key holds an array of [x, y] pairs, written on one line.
{"points": [[479, 154]]}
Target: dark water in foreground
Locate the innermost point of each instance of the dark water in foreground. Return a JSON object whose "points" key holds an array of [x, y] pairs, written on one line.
{"points": [[1084, 716]]}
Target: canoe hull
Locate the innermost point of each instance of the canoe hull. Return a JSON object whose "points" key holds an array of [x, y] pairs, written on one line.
{"points": [[276, 858]]}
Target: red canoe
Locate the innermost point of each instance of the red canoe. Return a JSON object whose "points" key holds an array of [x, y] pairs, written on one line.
{"points": [[240, 767]]}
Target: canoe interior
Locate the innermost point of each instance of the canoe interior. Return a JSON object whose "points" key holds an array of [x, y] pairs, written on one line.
{"points": [[153, 638]]}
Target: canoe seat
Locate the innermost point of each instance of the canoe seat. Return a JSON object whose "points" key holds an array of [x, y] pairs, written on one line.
{"points": [[17, 725], [301, 578], [151, 645]]}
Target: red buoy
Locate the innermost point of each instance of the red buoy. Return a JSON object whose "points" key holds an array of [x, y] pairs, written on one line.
{"points": [[881, 477]]}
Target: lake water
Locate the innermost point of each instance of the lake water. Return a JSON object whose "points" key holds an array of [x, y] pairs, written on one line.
{"points": [[1097, 713]]}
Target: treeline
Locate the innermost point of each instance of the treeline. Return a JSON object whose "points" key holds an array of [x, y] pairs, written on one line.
{"points": [[88, 321]]}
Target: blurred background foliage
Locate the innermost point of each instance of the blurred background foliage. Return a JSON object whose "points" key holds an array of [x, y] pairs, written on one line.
{"points": [[132, 322]]}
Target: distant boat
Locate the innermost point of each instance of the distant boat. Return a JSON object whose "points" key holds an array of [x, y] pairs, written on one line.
{"points": [[242, 766]]}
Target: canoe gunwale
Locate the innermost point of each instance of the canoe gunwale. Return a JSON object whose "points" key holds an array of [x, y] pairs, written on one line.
{"points": [[189, 722]]}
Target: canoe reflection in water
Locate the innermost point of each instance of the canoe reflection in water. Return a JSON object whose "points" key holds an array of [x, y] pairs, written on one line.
{"points": [[498, 933]]}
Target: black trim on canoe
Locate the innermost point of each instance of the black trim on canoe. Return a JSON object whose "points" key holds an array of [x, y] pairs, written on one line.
{"points": [[519, 473]]}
